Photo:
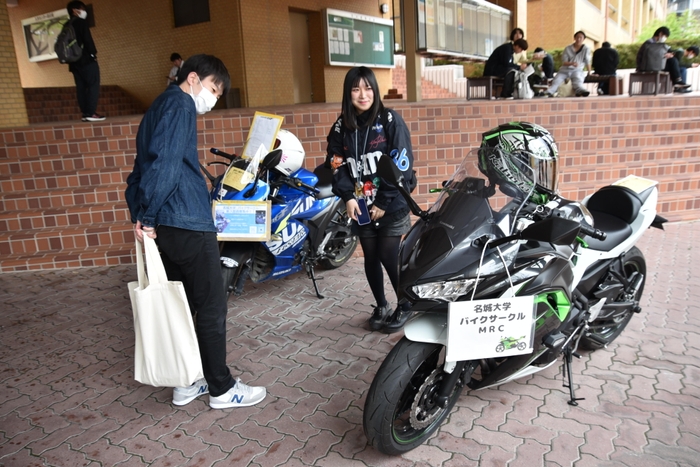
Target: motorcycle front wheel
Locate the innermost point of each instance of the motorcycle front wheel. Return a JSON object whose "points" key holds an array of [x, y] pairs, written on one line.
{"points": [[342, 243], [401, 412], [608, 325]]}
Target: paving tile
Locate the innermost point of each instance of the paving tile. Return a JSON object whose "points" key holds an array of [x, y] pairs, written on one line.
{"points": [[70, 396]]}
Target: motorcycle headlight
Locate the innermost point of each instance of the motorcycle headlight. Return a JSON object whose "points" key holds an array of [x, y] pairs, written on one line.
{"points": [[447, 291]]}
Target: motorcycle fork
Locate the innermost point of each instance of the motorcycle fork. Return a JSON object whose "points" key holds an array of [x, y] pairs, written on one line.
{"points": [[449, 383]]}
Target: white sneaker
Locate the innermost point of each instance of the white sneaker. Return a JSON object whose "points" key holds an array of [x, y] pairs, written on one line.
{"points": [[182, 396], [240, 395]]}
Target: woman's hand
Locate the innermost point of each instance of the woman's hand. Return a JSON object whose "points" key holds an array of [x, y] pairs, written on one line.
{"points": [[353, 209], [375, 213]]}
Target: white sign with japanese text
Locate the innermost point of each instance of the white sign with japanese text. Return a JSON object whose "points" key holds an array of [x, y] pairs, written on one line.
{"points": [[494, 328]]}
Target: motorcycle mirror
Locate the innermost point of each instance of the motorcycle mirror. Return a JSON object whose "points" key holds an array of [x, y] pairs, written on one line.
{"points": [[387, 169], [272, 159], [556, 230]]}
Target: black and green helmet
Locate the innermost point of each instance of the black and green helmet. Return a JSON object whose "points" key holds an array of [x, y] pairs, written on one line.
{"points": [[521, 154]]}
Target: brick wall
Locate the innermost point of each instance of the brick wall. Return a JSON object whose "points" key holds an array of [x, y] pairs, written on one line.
{"points": [[62, 186], [134, 40], [13, 111]]}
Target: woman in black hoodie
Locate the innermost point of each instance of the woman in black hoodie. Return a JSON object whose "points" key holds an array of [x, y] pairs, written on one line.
{"points": [[364, 131]]}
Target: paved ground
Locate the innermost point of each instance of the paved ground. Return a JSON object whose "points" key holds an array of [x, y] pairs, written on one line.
{"points": [[68, 398]]}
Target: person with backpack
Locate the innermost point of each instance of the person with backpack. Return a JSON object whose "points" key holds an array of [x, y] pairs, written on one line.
{"points": [[363, 132], [86, 71]]}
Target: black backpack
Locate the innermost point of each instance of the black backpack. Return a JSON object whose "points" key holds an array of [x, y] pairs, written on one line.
{"points": [[67, 47]]}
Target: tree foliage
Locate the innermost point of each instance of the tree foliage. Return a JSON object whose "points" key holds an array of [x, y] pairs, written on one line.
{"points": [[683, 27]]}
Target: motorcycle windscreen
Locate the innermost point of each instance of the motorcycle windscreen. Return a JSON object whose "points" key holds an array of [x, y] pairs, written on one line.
{"points": [[474, 205]]}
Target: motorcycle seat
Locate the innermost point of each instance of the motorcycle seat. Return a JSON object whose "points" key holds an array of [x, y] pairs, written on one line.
{"points": [[613, 209], [618, 201], [325, 182]]}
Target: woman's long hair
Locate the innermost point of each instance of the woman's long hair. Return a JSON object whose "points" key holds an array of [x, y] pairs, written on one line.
{"points": [[352, 80]]}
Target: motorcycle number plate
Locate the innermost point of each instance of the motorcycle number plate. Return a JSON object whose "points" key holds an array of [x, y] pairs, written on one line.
{"points": [[492, 328]]}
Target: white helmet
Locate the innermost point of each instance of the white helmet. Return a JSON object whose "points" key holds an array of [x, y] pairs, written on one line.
{"points": [[292, 152]]}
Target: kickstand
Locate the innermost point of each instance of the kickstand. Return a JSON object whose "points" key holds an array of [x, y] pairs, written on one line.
{"points": [[568, 358], [312, 275]]}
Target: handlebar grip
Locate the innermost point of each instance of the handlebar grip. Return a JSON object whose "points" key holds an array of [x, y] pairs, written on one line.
{"points": [[299, 184], [218, 152], [594, 233]]}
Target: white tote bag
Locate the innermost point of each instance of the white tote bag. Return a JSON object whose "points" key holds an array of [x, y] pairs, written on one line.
{"points": [[166, 352]]}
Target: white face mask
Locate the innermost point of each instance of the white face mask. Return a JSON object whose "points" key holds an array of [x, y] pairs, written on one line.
{"points": [[83, 14], [662, 39], [204, 101]]}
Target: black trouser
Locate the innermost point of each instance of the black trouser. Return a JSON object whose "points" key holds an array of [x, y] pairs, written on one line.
{"points": [[87, 85], [508, 84], [193, 258], [674, 69]]}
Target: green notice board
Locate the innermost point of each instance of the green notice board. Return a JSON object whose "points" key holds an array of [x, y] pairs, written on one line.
{"points": [[353, 39]]}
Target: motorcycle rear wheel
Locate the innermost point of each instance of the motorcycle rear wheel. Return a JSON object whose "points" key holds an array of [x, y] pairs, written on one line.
{"points": [[342, 244], [609, 326], [400, 411]]}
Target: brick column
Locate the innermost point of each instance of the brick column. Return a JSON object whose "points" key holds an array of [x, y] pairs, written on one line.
{"points": [[14, 109]]}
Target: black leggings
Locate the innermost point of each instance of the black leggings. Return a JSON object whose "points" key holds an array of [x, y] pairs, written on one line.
{"points": [[380, 251]]}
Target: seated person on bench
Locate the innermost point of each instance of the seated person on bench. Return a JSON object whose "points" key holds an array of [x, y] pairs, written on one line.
{"points": [[544, 70], [500, 64], [654, 55], [605, 61]]}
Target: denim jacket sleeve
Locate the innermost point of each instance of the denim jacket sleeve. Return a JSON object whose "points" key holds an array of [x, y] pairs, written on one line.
{"points": [[165, 138]]}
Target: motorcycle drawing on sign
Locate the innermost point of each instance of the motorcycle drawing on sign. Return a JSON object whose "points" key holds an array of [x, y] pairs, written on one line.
{"points": [[500, 234], [309, 225]]}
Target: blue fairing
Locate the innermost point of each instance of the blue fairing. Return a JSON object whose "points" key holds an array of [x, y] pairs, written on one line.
{"points": [[261, 193], [291, 239]]}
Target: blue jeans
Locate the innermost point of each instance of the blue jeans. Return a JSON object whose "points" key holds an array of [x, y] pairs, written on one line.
{"points": [[192, 258]]}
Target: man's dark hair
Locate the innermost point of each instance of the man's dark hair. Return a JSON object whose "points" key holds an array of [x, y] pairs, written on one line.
{"points": [[695, 49], [516, 30], [522, 43], [580, 32], [662, 30], [606, 44], [352, 80], [538, 50], [175, 56], [75, 5], [206, 65]]}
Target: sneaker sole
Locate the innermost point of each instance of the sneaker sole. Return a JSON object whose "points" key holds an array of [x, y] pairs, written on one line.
{"points": [[233, 405], [187, 401]]}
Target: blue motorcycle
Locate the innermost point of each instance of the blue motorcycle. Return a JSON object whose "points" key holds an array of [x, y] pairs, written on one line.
{"points": [[309, 225]]}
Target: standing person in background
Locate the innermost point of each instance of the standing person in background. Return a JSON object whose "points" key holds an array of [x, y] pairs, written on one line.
{"points": [[176, 60], [86, 71], [364, 131], [167, 195], [605, 62]]}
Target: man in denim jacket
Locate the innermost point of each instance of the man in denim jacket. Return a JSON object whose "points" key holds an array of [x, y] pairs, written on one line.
{"points": [[168, 195]]}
